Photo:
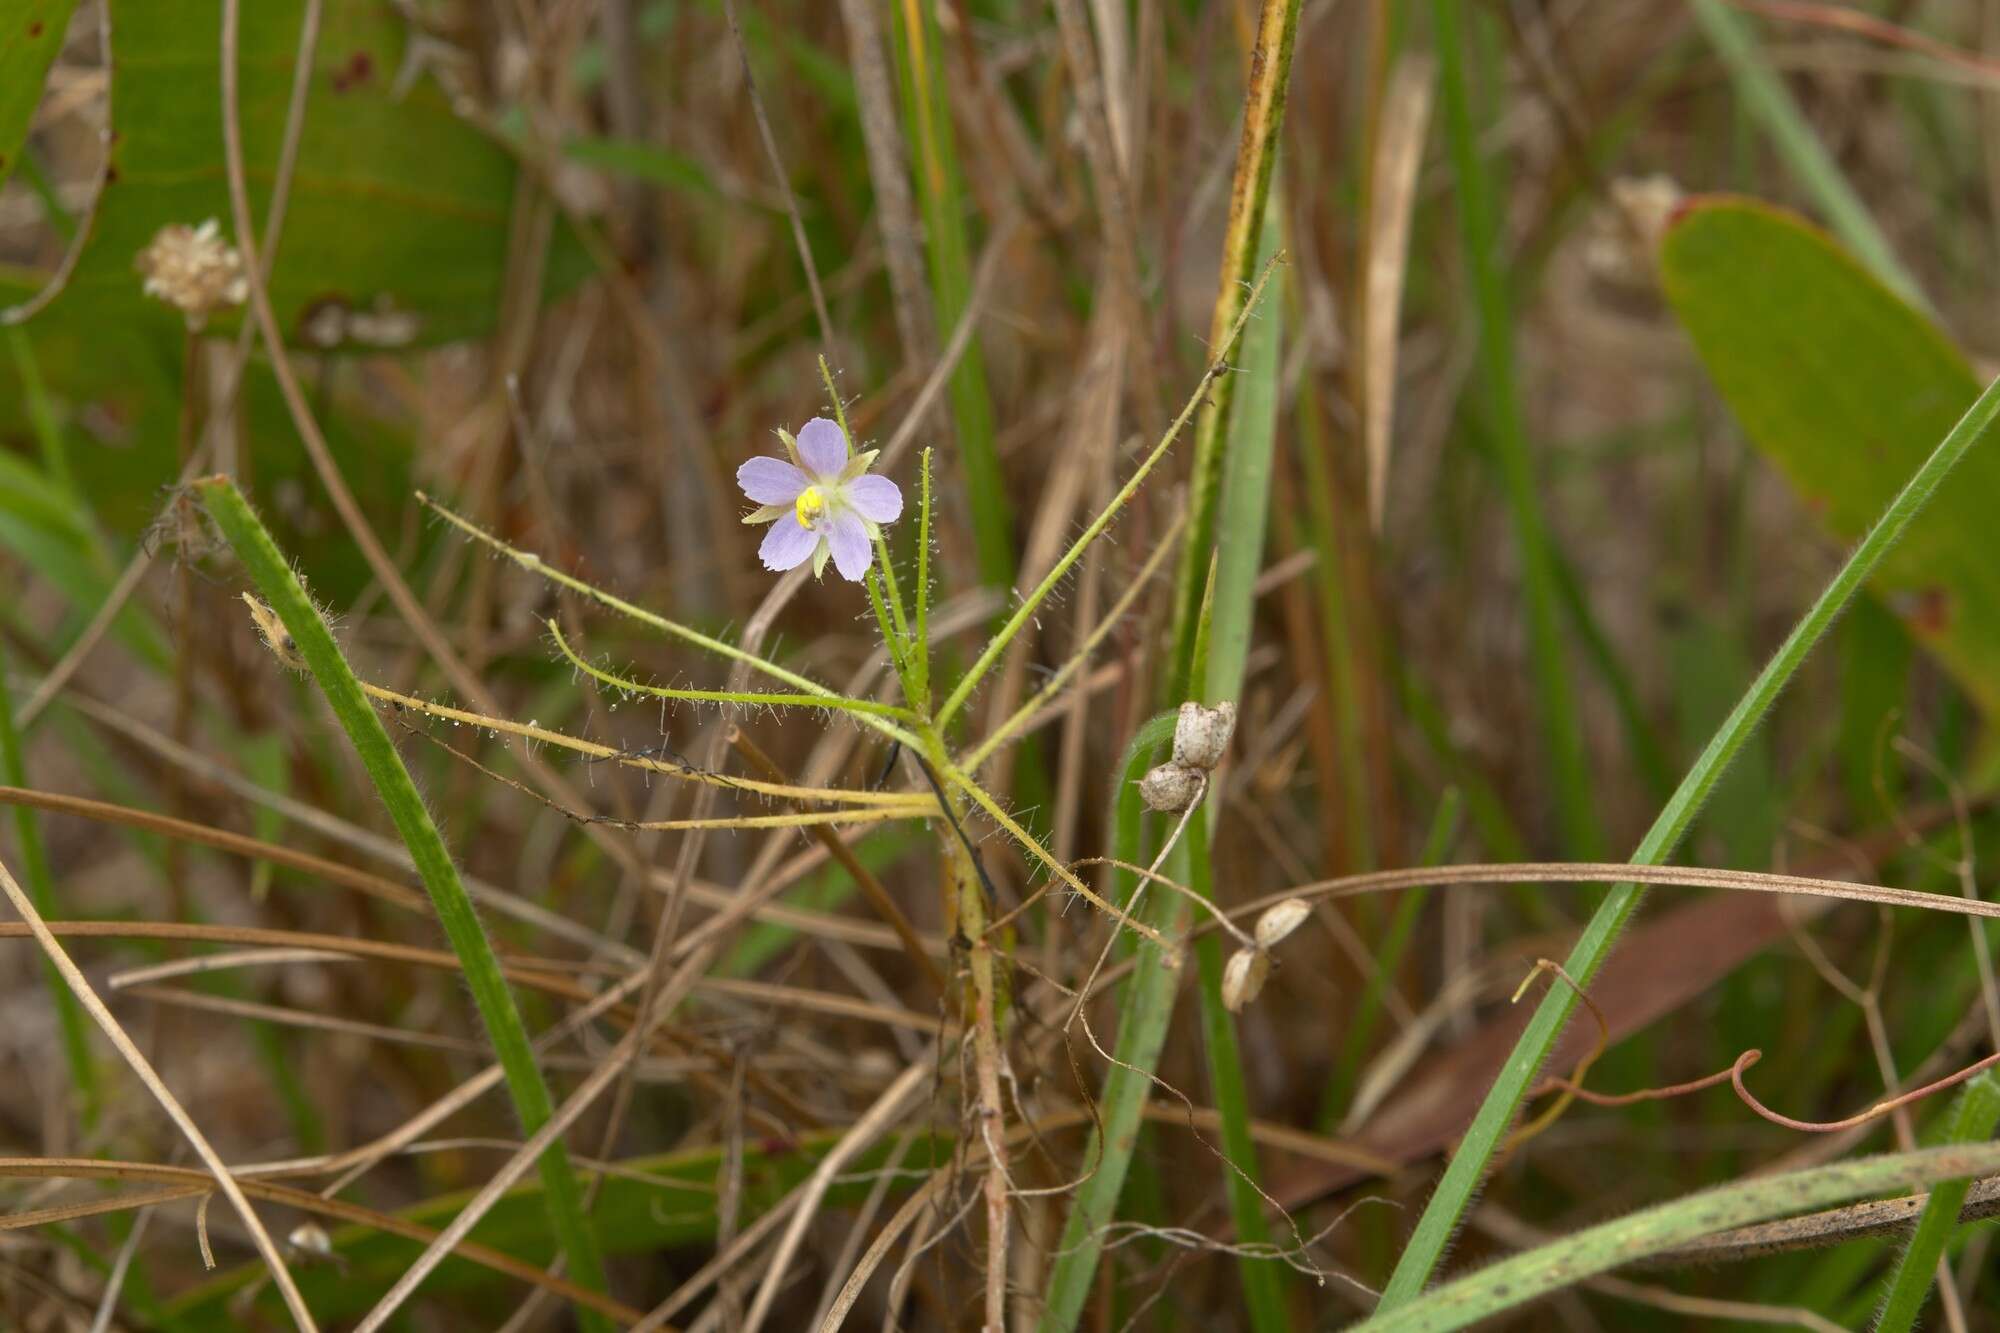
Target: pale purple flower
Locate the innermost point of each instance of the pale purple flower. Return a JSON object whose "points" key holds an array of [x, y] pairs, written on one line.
{"points": [[821, 503]]}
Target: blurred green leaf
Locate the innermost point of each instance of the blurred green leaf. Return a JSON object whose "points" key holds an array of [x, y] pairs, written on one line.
{"points": [[1846, 388], [31, 32], [397, 224], [643, 162]]}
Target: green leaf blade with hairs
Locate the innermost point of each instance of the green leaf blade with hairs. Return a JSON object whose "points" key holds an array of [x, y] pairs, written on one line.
{"points": [[1546, 1268], [314, 644]]}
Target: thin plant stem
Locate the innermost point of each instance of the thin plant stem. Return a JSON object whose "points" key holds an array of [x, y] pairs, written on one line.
{"points": [[920, 664], [751, 698], [534, 563]]}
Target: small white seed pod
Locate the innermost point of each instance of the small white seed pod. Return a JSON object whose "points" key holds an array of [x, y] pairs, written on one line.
{"points": [[1243, 977], [1171, 788], [310, 1240], [1202, 734], [1280, 920]]}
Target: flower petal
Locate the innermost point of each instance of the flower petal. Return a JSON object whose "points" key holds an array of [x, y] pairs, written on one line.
{"points": [[771, 481], [848, 536], [822, 448], [876, 499], [786, 544]]}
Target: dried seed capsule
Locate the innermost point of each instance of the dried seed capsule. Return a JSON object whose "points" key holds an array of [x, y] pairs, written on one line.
{"points": [[1171, 787], [310, 1240], [1280, 920], [1202, 734], [1243, 978]]}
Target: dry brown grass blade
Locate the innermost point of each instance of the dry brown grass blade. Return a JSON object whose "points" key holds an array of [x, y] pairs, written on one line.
{"points": [[863, 877], [1399, 152], [495, 897], [876, 1121], [1608, 872], [101, 1014], [223, 840], [191, 1183], [452, 1238]]}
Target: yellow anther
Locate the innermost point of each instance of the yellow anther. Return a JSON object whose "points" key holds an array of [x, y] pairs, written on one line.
{"points": [[809, 506]]}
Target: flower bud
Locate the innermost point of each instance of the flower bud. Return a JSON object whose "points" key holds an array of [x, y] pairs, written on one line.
{"points": [[1280, 920], [1202, 734], [1243, 978], [1171, 787]]}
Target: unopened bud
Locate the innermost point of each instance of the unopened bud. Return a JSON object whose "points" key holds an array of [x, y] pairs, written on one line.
{"points": [[1202, 734], [1243, 978], [1171, 788], [1280, 920]]}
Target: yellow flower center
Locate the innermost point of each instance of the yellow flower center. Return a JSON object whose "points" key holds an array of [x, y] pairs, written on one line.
{"points": [[809, 506]]}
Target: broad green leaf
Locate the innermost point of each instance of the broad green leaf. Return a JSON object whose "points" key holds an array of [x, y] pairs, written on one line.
{"points": [[31, 32], [399, 212], [1846, 388]]}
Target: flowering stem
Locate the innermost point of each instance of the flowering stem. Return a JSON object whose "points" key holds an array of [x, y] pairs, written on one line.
{"points": [[892, 639], [988, 1112], [920, 652]]}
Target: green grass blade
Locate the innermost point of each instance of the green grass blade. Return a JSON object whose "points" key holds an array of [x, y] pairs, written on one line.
{"points": [[1468, 1164], [40, 884], [1071, 1274], [1262, 1276], [281, 588], [1498, 393], [1264, 117], [1973, 1120], [1804, 155], [1246, 502], [1546, 1268]]}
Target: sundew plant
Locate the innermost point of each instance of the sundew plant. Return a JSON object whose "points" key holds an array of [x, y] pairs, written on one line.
{"points": [[931, 664]]}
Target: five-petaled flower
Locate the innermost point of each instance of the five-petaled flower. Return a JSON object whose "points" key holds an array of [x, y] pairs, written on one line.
{"points": [[822, 503]]}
